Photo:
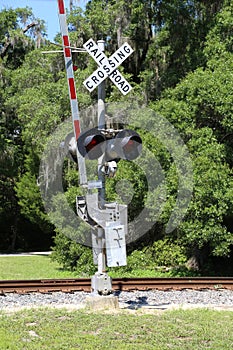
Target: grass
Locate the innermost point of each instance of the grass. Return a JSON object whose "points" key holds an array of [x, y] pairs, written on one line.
{"points": [[175, 272], [51, 329], [31, 267], [41, 266]]}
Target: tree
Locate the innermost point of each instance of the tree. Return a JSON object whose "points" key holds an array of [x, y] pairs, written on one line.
{"points": [[14, 46], [14, 43], [180, 28], [182, 67], [185, 34], [199, 108]]}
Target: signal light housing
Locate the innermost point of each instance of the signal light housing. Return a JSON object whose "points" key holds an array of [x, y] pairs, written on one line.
{"points": [[114, 144], [91, 144], [129, 143], [68, 146]]}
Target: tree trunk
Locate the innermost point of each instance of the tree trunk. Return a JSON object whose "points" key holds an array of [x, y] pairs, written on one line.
{"points": [[14, 230]]}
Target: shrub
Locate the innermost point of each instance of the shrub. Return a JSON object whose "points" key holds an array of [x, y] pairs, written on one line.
{"points": [[168, 253], [73, 256]]}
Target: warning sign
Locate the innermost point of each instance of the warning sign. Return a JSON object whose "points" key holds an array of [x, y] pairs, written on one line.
{"points": [[107, 67]]}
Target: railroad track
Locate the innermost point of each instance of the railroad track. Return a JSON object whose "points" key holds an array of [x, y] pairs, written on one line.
{"points": [[120, 284]]}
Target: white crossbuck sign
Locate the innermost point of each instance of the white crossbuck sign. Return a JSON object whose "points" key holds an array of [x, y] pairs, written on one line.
{"points": [[107, 66]]}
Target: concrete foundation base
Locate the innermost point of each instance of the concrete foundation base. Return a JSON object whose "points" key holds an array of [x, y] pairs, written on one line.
{"points": [[99, 302]]}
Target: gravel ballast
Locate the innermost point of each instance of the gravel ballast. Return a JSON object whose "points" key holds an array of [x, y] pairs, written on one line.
{"points": [[161, 300]]}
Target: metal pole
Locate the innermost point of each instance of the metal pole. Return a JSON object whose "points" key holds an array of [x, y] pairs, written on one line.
{"points": [[101, 282], [101, 177], [101, 125]]}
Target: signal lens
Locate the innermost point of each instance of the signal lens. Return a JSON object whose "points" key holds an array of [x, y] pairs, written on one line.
{"points": [[91, 144], [92, 141], [131, 144]]}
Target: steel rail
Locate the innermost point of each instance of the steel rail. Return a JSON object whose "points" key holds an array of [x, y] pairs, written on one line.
{"points": [[175, 283], [118, 284]]}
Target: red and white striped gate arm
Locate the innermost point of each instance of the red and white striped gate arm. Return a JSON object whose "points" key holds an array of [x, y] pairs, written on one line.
{"points": [[71, 86]]}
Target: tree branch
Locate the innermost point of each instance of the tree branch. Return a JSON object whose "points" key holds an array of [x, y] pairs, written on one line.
{"points": [[8, 41], [33, 24]]}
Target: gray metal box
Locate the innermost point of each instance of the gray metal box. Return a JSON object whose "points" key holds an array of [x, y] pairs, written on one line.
{"points": [[115, 245]]}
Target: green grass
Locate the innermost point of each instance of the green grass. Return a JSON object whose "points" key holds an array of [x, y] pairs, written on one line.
{"points": [[37, 267], [31, 267], [49, 329], [114, 273]]}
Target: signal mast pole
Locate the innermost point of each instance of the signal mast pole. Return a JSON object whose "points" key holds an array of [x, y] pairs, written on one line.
{"points": [[110, 219], [101, 125], [100, 280], [101, 176]]}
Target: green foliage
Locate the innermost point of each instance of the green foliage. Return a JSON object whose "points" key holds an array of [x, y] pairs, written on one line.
{"points": [[18, 29], [180, 29], [128, 186], [151, 260], [182, 67], [72, 256], [168, 253], [30, 202], [219, 38]]}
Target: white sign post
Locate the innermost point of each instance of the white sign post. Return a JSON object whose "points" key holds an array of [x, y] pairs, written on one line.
{"points": [[107, 67]]}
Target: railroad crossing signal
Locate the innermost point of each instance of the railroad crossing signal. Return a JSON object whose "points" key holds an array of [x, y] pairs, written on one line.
{"points": [[107, 67], [115, 145], [108, 221]]}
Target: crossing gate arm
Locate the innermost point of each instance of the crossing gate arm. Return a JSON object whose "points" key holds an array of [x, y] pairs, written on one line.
{"points": [[72, 88]]}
